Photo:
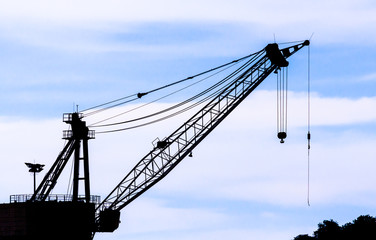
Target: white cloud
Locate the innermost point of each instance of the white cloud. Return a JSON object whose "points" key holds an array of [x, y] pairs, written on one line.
{"points": [[371, 77], [253, 160], [26, 141], [171, 221], [340, 111], [152, 218], [262, 12], [240, 162], [80, 26]]}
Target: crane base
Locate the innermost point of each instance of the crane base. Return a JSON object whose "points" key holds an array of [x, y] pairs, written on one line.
{"points": [[109, 220], [47, 220]]}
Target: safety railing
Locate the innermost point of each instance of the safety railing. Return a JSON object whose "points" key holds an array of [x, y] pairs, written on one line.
{"points": [[53, 197]]}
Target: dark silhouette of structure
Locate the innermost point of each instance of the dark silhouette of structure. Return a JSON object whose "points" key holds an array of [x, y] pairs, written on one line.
{"points": [[46, 216], [35, 168]]}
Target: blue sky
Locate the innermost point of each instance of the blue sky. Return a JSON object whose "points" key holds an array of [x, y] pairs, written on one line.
{"points": [[57, 55]]}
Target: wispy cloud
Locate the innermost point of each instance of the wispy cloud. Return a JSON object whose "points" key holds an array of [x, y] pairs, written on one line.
{"points": [[263, 169], [241, 162], [268, 11], [371, 77], [80, 25]]}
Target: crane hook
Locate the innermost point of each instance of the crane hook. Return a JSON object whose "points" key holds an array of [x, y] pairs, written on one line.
{"points": [[282, 136]]}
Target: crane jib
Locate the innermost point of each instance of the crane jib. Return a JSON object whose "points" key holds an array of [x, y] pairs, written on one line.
{"points": [[171, 150]]}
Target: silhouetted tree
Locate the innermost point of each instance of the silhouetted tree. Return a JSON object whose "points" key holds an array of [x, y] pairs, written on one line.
{"points": [[362, 228], [328, 230], [304, 237]]}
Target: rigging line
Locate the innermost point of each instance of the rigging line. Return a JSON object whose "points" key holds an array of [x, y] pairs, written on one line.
{"points": [[70, 182], [186, 101], [174, 83], [202, 73], [113, 101], [154, 121], [100, 110], [309, 124], [133, 109], [174, 114], [168, 109], [171, 115], [180, 104], [112, 106], [283, 43], [70, 176]]}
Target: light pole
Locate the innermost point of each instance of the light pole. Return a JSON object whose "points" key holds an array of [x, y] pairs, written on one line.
{"points": [[34, 168]]}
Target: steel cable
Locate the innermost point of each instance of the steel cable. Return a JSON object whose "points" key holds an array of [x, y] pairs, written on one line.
{"points": [[181, 104], [139, 95]]}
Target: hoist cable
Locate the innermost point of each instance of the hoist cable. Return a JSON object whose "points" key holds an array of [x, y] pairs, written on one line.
{"points": [[179, 104], [309, 95], [283, 99], [286, 90], [308, 123], [282, 96], [187, 108], [278, 126]]}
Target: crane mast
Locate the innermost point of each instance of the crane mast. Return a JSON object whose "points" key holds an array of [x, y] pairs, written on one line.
{"points": [[170, 151], [77, 138]]}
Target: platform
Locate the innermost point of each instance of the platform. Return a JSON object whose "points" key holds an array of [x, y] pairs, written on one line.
{"points": [[54, 219]]}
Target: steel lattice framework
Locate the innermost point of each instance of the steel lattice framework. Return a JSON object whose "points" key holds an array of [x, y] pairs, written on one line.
{"points": [[79, 134], [173, 149]]}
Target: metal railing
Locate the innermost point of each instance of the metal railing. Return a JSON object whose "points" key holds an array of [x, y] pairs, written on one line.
{"points": [[68, 134], [68, 117], [53, 197]]}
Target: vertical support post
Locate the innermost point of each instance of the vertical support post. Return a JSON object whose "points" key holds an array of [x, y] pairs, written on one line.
{"points": [[76, 171], [86, 169], [35, 179], [80, 134]]}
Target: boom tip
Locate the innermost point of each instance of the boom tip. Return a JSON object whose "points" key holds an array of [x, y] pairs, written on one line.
{"points": [[306, 43]]}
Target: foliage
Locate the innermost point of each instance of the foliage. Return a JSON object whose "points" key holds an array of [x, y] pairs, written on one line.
{"points": [[362, 228]]}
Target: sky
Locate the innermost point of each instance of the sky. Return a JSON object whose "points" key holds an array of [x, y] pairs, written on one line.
{"points": [[241, 183]]}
